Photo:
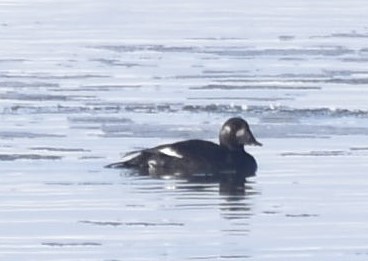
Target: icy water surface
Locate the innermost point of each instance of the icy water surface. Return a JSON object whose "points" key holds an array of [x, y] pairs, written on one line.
{"points": [[83, 81]]}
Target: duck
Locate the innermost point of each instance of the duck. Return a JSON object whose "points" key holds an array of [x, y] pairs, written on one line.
{"points": [[199, 158]]}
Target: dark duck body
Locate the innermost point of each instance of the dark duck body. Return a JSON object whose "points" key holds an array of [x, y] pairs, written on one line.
{"points": [[199, 158]]}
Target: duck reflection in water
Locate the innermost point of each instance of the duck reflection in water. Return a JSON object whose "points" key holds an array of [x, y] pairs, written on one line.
{"points": [[199, 160]]}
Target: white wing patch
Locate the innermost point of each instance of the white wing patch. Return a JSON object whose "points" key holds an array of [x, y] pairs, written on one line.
{"points": [[130, 156], [170, 152]]}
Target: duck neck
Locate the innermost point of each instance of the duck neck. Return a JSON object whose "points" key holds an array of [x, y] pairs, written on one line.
{"points": [[233, 148]]}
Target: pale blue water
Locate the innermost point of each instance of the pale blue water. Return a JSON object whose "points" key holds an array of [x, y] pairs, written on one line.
{"points": [[82, 82]]}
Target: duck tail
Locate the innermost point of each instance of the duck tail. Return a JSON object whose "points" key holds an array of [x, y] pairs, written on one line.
{"points": [[129, 160], [116, 165]]}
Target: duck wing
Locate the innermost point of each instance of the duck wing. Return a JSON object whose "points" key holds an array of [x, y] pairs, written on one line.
{"points": [[196, 153]]}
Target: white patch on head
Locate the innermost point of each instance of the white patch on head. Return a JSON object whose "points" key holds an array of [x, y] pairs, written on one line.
{"points": [[240, 133], [130, 156], [226, 129], [170, 152]]}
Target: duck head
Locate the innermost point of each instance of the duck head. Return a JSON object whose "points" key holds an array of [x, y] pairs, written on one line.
{"points": [[235, 133]]}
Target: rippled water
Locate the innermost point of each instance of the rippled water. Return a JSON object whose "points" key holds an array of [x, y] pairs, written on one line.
{"points": [[82, 82]]}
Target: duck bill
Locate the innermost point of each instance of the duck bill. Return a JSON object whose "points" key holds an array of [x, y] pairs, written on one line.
{"points": [[249, 139], [255, 143]]}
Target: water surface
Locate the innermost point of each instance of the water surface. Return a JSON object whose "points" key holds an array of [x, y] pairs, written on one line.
{"points": [[82, 82]]}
